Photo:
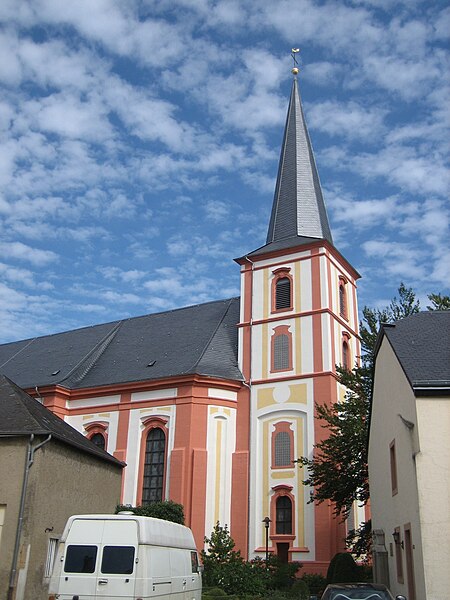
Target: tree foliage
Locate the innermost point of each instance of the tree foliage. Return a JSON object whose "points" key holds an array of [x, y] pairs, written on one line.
{"points": [[166, 510], [338, 470], [438, 302], [225, 568]]}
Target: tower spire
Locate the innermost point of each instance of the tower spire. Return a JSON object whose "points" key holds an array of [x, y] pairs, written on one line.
{"points": [[298, 206]]}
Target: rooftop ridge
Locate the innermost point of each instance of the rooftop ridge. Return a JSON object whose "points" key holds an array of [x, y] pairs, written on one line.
{"points": [[80, 370]]}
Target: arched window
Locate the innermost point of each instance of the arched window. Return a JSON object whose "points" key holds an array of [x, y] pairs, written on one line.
{"points": [[97, 432], [281, 290], [283, 449], [282, 445], [283, 293], [346, 355], [342, 298], [154, 462], [281, 352], [283, 516], [99, 440], [281, 348]]}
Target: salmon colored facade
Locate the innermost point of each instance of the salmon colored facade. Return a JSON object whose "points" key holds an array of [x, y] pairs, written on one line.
{"points": [[226, 447]]}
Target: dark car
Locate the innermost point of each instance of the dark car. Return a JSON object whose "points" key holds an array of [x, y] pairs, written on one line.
{"points": [[358, 591]]}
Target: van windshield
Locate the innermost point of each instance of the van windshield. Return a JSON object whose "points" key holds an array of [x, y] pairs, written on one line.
{"points": [[80, 559], [118, 559]]}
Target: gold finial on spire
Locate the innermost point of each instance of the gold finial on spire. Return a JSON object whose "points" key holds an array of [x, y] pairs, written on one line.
{"points": [[295, 69]]}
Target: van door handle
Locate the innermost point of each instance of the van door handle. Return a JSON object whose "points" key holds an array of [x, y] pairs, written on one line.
{"points": [[184, 582], [102, 581]]}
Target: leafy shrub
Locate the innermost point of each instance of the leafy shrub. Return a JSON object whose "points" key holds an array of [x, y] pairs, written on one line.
{"points": [[225, 568], [299, 590], [166, 509], [345, 569], [315, 582]]}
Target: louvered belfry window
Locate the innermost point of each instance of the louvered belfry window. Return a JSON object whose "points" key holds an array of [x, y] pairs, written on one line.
{"points": [[155, 450], [283, 293], [282, 449], [284, 515], [281, 352]]}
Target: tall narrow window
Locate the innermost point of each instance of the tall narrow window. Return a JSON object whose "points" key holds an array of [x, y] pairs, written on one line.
{"points": [[398, 555], [283, 515], [283, 293], [345, 355], [283, 449], [281, 352], [155, 451], [342, 298], [282, 445], [393, 463], [281, 289]]}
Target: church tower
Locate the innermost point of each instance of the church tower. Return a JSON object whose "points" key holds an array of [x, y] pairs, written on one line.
{"points": [[298, 320]]}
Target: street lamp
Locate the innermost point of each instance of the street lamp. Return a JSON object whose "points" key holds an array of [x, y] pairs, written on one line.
{"points": [[267, 522]]}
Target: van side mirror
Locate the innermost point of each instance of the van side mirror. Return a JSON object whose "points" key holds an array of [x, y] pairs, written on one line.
{"points": [[400, 598]]}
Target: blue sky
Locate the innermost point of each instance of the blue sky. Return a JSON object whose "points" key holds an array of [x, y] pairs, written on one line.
{"points": [[140, 143]]}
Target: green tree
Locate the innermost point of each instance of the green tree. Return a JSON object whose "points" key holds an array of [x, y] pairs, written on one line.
{"points": [[439, 302], [166, 509], [225, 568], [338, 471]]}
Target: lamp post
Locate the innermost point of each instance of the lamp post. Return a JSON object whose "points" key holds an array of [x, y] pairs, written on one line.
{"points": [[267, 522]]}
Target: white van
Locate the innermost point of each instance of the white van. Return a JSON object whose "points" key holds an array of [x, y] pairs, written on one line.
{"points": [[126, 557]]}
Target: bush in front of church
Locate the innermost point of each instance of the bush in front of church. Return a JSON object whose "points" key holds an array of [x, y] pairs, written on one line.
{"points": [[166, 509]]}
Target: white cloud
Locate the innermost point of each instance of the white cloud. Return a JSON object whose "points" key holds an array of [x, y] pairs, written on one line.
{"points": [[21, 251], [120, 297], [402, 166], [217, 210], [351, 119], [116, 274], [67, 116], [14, 274]]}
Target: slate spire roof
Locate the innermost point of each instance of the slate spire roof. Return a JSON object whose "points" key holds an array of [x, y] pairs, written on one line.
{"points": [[298, 206], [299, 215]]}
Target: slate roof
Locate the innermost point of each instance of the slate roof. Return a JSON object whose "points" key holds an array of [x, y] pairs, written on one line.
{"points": [[298, 206], [421, 343], [199, 339], [22, 415]]}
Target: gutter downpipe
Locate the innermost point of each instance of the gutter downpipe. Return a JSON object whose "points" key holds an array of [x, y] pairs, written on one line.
{"points": [[28, 464], [249, 386]]}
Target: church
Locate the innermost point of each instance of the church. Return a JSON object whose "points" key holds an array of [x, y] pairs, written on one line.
{"points": [[210, 405]]}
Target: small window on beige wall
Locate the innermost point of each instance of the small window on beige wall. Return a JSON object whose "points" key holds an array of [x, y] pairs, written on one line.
{"points": [[393, 463]]}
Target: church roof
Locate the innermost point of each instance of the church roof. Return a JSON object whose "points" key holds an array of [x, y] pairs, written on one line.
{"points": [[421, 343], [199, 339], [298, 209], [22, 415]]}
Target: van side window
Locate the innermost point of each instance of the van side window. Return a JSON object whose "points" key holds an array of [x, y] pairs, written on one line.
{"points": [[80, 559], [194, 562], [118, 559]]}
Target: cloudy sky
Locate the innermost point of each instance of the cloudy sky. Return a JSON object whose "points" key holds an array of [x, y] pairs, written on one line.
{"points": [[140, 142]]}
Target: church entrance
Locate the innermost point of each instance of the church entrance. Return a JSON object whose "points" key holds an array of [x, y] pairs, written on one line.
{"points": [[283, 552]]}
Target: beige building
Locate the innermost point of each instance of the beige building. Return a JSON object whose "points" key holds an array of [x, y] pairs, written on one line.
{"points": [[48, 471], [409, 456]]}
